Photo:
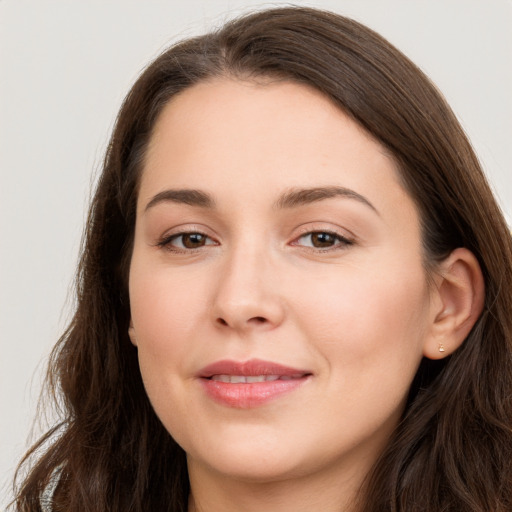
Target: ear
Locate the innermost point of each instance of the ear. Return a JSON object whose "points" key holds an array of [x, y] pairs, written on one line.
{"points": [[458, 301], [131, 333]]}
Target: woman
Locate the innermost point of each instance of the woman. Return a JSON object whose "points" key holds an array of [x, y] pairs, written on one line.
{"points": [[294, 292]]}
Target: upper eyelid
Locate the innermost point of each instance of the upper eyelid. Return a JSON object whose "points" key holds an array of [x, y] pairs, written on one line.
{"points": [[174, 233], [185, 229], [184, 233], [327, 231], [320, 227], [340, 237], [300, 231]]}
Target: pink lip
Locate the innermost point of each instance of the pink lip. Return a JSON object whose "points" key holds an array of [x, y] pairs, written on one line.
{"points": [[254, 394]]}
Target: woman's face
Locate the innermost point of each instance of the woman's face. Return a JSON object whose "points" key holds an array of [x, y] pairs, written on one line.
{"points": [[278, 298]]}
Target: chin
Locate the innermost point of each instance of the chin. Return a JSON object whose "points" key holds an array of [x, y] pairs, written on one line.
{"points": [[257, 470], [250, 460]]}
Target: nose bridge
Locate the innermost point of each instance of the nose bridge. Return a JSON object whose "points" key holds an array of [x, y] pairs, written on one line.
{"points": [[247, 290]]}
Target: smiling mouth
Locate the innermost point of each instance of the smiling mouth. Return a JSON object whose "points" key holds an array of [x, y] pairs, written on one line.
{"points": [[251, 379], [250, 384]]}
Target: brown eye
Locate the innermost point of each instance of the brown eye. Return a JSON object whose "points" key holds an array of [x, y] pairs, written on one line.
{"points": [[323, 240], [193, 240], [183, 241]]}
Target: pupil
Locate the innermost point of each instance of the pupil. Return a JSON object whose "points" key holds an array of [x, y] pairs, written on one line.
{"points": [[322, 239], [193, 240]]}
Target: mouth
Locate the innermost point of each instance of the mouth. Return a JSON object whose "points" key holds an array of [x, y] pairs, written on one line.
{"points": [[251, 379], [251, 383]]}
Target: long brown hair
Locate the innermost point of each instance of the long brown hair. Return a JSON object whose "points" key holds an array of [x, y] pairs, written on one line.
{"points": [[452, 450]]}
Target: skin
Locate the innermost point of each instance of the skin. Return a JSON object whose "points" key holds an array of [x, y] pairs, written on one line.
{"points": [[358, 314]]}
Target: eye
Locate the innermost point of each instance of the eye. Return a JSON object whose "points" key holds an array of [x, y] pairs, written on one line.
{"points": [[322, 240], [184, 241]]}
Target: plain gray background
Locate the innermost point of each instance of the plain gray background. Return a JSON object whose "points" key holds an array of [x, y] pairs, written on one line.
{"points": [[64, 69]]}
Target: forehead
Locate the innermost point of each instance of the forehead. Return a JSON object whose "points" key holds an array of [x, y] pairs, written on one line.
{"points": [[239, 137], [264, 109]]}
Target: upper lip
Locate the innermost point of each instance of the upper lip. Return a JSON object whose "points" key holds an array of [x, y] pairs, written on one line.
{"points": [[253, 367]]}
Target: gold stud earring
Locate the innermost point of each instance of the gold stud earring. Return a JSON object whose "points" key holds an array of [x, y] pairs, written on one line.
{"points": [[441, 347]]}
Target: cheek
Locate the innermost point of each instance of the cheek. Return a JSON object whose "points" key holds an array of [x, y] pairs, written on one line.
{"points": [[167, 315], [376, 317], [165, 310], [370, 335]]}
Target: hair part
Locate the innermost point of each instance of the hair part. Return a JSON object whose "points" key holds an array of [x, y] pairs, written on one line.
{"points": [[452, 450]]}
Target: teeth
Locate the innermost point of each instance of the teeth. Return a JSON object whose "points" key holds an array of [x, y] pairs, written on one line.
{"points": [[254, 378], [238, 379]]}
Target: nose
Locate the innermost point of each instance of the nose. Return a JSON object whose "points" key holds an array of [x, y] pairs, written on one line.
{"points": [[247, 295]]}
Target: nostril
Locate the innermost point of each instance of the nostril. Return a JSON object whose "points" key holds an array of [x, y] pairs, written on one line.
{"points": [[253, 320]]}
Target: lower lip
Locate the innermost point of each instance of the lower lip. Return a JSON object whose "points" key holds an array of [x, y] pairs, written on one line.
{"points": [[248, 395]]}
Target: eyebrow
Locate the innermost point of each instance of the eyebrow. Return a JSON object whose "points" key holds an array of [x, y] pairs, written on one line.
{"points": [[302, 196], [290, 199], [191, 197]]}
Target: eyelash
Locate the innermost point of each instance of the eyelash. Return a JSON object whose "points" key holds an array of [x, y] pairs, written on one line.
{"points": [[340, 241], [166, 242]]}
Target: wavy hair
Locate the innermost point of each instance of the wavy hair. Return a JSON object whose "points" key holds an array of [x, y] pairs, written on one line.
{"points": [[452, 450]]}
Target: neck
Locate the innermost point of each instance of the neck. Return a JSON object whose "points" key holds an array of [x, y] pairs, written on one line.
{"points": [[212, 492]]}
